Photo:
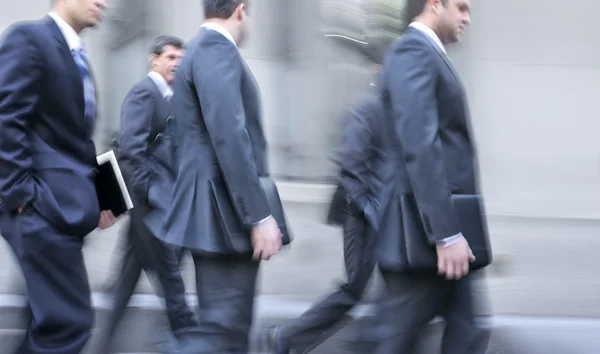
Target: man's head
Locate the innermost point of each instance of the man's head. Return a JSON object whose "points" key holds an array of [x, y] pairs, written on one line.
{"points": [[80, 14], [165, 54], [448, 18], [231, 14]]}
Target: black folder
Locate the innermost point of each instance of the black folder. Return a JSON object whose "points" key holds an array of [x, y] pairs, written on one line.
{"points": [[420, 255], [110, 187], [235, 235]]}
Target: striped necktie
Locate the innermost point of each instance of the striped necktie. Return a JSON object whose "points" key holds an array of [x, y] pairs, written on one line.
{"points": [[88, 84]]}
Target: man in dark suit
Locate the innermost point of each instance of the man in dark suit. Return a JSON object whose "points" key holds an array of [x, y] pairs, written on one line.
{"points": [[48, 200], [355, 206], [432, 156], [144, 115], [219, 209]]}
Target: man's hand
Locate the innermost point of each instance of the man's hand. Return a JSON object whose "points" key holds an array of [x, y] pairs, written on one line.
{"points": [[454, 259], [266, 239], [107, 219]]}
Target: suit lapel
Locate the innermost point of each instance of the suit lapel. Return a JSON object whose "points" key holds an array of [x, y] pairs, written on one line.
{"points": [[440, 52], [70, 65]]}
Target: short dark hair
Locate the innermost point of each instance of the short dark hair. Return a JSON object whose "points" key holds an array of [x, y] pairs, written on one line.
{"points": [[160, 42], [222, 9], [413, 9]]}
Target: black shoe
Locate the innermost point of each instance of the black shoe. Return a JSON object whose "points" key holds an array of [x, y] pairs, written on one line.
{"points": [[274, 341]]}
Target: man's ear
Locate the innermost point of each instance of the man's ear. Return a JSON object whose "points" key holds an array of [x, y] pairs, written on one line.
{"points": [[240, 12], [437, 6], [151, 58]]}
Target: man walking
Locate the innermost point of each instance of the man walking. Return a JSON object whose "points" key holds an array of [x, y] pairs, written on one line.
{"points": [[48, 200], [355, 205], [144, 115], [220, 211], [432, 156]]}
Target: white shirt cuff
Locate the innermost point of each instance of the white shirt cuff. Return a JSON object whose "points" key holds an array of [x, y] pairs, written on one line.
{"points": [[263, 220], [449, 241]]}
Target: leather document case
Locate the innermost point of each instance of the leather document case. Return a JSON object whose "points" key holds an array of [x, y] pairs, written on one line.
{"points": [[236, 237], [110, 187], [420, 255]]}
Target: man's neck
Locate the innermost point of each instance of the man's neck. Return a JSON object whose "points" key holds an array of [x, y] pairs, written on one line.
{"points": [[429, 22], [66, 18], [225, 24]]}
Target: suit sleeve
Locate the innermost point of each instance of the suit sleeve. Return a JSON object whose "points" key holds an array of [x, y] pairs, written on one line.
{"points": [[354, 154], [411, 81], [20, 74], [219, 85], [136, 121]]}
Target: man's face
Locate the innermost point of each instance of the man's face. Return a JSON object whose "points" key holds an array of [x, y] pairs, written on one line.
{"points": [[454, 17], [167, 62], [85, 13]]}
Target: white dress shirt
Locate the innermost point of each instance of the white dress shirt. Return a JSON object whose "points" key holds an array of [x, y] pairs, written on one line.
{"points": [[73, 40], [429, 33], [163, 87], [215, 27]]}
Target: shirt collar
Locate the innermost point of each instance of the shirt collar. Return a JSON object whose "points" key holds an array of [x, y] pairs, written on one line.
{"points": [[428, 32], [215, 27], [162, 85], [73, 40]]}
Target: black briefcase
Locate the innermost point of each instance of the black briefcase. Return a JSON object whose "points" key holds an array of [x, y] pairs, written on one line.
{"points": [[420, 255], [236, 238]]}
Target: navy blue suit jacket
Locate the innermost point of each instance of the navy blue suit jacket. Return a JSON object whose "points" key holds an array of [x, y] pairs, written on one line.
{"points": [[47, 156]]}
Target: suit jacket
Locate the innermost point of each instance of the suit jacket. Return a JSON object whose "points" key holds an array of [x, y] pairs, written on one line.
{"points": [[221, 149], [144, 113], [431, 152], [145, 159], [361, 158], [47, 156]]}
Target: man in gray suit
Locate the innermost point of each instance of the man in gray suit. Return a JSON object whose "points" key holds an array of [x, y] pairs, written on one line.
{"points": [[219, 209], [433, 156], [354, 206], [144, 115]]}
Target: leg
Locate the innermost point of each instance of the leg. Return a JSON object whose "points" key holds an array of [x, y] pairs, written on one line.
{"points": [[461, 329], [166, 266], [408, 304], [123, 288], [57, 284], [307, 331], [483, 312], [225, 289]]}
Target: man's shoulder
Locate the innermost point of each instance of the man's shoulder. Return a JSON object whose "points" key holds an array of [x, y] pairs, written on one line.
{"points": [[35, 29], [144, 85], [411, 39]]}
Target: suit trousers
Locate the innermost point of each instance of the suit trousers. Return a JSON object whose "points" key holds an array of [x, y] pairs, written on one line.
{"points": [[145, 252], [225, 286], [57, 284], [308, 330], [410, 302]]}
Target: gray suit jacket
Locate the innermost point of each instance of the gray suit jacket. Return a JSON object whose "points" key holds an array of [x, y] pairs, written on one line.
{"points": [[221, 150], [431, 152], [144, 113], [361, 157]]}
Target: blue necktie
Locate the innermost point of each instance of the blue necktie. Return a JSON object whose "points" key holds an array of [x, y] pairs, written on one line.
{"points": [[88, 84]]}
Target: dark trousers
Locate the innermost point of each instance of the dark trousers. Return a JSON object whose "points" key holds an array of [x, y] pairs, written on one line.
{"points": [[410, 302], [307, 331], [145, 252], [57, 284], [225, 287]]}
